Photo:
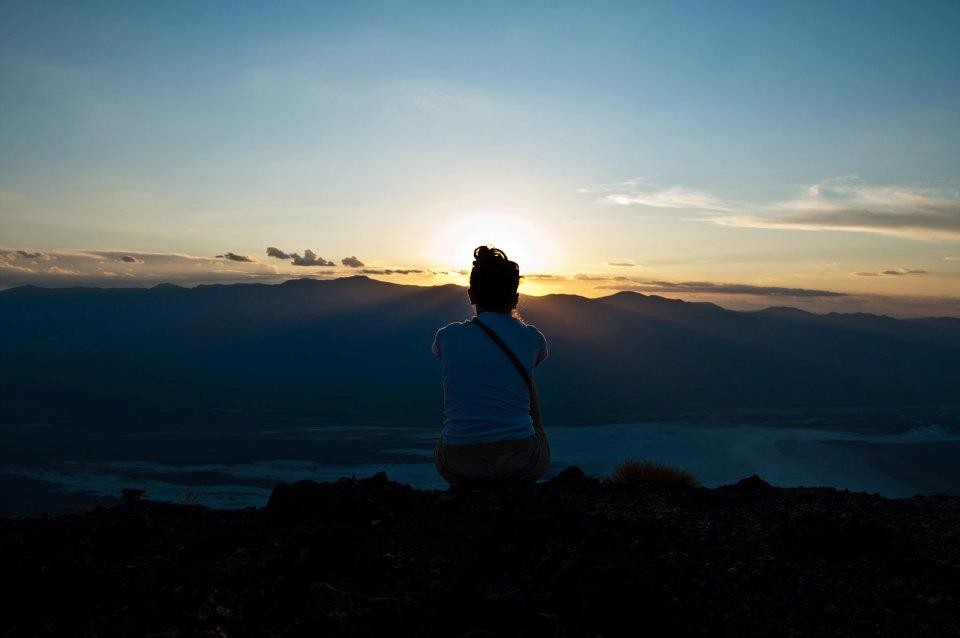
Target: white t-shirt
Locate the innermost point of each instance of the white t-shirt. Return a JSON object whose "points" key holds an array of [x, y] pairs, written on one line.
{"points": [[484, 397]]}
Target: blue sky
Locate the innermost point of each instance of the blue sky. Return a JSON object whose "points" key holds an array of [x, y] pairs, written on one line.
{"points": [[767, 144]]}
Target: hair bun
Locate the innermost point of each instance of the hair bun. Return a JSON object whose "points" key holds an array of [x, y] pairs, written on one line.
{"points": [[494, 279], [487, 254]]}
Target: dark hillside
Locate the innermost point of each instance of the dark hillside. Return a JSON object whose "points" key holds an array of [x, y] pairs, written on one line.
{"points": [[310, 347]]}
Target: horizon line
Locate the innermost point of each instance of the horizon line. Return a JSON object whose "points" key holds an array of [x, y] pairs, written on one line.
{"points": [[168, 284]]}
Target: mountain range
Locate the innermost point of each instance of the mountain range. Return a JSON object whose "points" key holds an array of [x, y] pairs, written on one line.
{"points": [[359, 347]]}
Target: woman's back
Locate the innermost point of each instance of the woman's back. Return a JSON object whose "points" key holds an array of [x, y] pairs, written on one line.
{"points": [[489, 435], [485, 397]]}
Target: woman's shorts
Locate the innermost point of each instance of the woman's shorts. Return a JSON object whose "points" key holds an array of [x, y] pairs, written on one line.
{"points": [[514, 461]]}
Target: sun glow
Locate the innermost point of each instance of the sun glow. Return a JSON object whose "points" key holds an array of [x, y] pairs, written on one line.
{"points": [[524, 241]]}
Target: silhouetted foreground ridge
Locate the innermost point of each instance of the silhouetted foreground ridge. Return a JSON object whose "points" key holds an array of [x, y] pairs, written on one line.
{"points": [[573, 557]]}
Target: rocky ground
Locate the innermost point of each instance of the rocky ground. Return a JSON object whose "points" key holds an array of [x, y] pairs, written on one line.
{"points": [[572, 557]]}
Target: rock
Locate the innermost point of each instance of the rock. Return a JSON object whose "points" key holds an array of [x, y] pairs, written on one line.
{"points": [[753, 484], [570, 476], [288, 499]]}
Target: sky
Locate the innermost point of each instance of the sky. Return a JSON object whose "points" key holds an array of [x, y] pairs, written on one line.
{"points": [[752, 154]]}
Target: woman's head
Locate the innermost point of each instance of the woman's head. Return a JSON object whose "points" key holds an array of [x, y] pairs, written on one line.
{"points": [[494, 280]]}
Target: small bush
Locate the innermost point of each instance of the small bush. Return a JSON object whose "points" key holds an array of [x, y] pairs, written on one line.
{"points": [[653, 472], [132, 495], [190, 497]]}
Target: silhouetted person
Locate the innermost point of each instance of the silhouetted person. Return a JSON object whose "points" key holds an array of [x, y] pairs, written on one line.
{"points": [[492, 432]]}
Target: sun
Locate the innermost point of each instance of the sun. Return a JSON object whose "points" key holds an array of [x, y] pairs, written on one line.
{"points": [[524, 241]]}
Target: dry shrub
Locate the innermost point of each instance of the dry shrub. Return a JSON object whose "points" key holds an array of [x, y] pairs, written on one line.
{"points": [[132, 495], [653, 472], [190, 497]]}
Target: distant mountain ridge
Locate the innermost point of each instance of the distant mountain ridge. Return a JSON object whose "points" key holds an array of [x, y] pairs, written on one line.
{"points": [[359, 346]]}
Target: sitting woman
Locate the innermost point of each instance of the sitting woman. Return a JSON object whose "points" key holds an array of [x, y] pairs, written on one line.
{"points": [[492, 431]]}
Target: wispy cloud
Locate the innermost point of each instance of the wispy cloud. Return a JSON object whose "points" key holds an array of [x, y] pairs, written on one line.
{"points": [[847, 204], [892, 272], [646, 193], [625, 264], [392, 271], [236, 257], [543, 277], [7, 265], [57, 270], [23, 254], [720, 289], [839, 204], [431, 97], [587, 277], [126, 268], [112, 268], [654, 286], [895, 305]]}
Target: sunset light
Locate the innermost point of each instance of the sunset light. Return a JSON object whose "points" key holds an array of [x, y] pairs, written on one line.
{"points": [[700, 153], [524, 240], [508, 319]]}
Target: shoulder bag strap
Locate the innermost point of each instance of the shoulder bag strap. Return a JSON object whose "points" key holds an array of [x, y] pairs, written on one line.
{"points": [[531, 387]]}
